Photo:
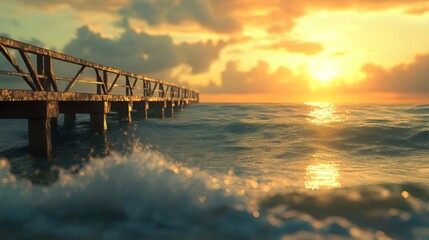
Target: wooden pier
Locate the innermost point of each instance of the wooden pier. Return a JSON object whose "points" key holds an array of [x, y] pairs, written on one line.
{"points": [[38, 93]]}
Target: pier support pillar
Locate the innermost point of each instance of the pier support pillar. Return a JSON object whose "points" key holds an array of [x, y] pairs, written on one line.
{"points": [[39, 136], [99, 116], [142, 109], [39, 127], [169, 110], [180, 105], [177, 105], [124, 110], [157, 109], [98, 122]]}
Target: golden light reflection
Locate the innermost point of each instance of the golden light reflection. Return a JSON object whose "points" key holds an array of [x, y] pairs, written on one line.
{"points": [[322, 175], [323, 113]]}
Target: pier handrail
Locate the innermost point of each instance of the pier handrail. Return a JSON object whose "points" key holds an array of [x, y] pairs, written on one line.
{"points": [[41, 76]]}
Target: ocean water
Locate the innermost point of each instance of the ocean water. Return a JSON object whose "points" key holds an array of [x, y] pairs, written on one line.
{"points": [[225, 171]]}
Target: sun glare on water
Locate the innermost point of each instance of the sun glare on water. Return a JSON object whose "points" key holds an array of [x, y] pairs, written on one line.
{"points": [[322, 175], [323, 113]]}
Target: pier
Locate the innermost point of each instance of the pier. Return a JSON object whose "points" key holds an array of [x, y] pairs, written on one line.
{"points": [[39, 84]]}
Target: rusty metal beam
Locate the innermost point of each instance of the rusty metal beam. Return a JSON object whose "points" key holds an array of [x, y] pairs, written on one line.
{"points": [[166, 90], [135, 83], [15, 74], [114, 82], [130, 89], [12, 61], [30, 68], [161, 89], [102, 86], [70, 85], [145, 88], [154, 88], [49, 72], [106, 81]]}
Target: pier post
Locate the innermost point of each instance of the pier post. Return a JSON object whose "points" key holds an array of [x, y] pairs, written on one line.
{"points": [[39, 136], [169, 110], [99, 117], [157, 109], [179, 105], [39, 128], [125, 113], [176, 104], [98, 122], [124, 110], [142, 109]]}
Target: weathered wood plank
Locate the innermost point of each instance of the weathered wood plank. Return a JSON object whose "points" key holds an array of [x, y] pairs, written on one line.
{"points": [[28, 95]]}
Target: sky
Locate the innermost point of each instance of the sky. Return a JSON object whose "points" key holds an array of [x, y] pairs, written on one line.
{"points": [[244, 50]]}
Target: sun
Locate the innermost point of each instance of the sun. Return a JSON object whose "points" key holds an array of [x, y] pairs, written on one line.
{"points": [[324, 72]]}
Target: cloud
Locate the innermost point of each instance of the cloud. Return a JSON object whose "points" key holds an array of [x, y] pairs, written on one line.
{"points": [[181, 11], [279, 16], [79, 5], [259, 79], [418, 10], [142, 52], [307, 48], [404, 78], [225, 16], [200, 55]]}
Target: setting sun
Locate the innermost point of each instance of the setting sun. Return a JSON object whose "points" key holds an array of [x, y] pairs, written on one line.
{"points": [[324, 72]]}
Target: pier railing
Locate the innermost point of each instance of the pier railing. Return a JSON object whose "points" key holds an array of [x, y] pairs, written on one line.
{"points": [[40, 75]]}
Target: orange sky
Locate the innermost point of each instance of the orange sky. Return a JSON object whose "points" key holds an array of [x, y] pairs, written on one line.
{"points": [[243, 50]]}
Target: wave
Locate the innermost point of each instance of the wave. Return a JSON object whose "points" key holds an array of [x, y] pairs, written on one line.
{"points": [[422, 136], [124, 197], [144, 195], [399, 211], [378, 140]]}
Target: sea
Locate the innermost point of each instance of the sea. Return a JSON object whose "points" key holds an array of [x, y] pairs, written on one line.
{"points": [[224, 171]]}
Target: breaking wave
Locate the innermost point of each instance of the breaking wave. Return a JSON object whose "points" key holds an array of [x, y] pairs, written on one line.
{"points": [[145, 195]]}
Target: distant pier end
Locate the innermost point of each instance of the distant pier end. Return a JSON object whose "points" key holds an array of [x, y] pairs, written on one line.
{"points": [[42, 84]]}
